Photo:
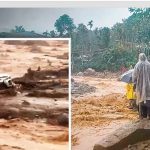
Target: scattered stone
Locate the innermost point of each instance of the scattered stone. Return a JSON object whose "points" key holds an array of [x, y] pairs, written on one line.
{"points": [[80, 74], [72, 80], [25, 103], [89, 72], [104, 74], [63, 119]]}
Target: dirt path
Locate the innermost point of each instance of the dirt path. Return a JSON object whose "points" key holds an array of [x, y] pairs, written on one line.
{"points": [[97, 114]]}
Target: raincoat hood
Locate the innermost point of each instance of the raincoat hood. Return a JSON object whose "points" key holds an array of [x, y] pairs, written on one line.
{"points": [[142, 57]]}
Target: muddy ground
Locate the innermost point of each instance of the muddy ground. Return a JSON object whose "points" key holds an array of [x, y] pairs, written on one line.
{"points": [[96, 114], [36, 118]]}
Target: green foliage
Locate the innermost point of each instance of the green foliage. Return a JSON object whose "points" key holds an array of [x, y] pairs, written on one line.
{"points": [[113, 60], [53, 34], [46, 33], [104, 37], [110, 49], [18, 29]]}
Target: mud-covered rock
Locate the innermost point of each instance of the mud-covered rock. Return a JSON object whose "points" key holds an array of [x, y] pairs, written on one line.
{"points": [[89, 72], [81, 88], [63, 119], [80, 74]]}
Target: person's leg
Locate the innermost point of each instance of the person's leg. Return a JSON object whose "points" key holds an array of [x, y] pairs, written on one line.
{"points": [[134, 106], [142, 110], [148, 113], [148, 109], [130, 104]]}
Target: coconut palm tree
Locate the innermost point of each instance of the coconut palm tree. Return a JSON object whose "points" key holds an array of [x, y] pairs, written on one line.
{"points": [[90, 24]]}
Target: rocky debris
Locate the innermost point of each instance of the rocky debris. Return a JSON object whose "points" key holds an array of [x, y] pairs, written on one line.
{"points": [[43, 79], [22, 111], [48, 93], [104, 74], [45, 83], [58, 119], [89, 72], [37, 83], [80, 74], [81, 88], [64, 56], [25, 103], [9, 112], [63, 119], [72, 80], [35, 49], [8, 92]]}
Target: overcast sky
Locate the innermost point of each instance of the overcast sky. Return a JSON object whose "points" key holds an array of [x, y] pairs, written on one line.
{"points": [[42, 19]]}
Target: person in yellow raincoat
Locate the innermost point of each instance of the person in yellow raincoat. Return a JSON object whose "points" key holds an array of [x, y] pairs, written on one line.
{"points": [[131, 95]]}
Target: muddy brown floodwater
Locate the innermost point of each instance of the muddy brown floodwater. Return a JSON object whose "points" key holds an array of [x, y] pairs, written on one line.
{"points": [[96, 115], [29, 120]]}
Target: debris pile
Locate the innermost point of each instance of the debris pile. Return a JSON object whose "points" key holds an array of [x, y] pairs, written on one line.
{"points": [[45, 83], [81, 88], [90, 72], [104, 74], [39, 83]]}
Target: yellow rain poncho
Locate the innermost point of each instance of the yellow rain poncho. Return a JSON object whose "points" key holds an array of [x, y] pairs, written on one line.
{"points": [[130, 91]]}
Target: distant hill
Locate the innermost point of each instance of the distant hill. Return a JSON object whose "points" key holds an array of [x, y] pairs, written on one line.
{"points": [[26, 34]]}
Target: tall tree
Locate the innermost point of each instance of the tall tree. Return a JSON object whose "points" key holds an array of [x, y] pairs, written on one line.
{"points": [[19, 29], [46, 33], [64, 25], [53, 34], [90, 24]]}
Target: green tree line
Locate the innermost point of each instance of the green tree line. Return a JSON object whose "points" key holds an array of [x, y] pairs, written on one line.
{"points": [[107, 48], [104, 48]]}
